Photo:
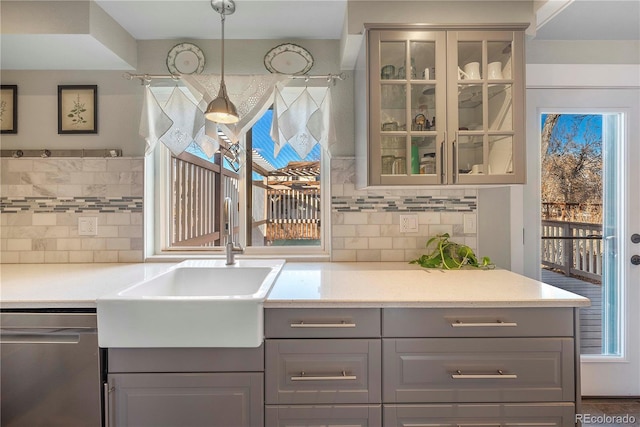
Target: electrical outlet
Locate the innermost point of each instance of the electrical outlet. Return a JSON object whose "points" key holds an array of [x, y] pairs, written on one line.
{"points": [[88, 226], [408, 223], [470, 224]]}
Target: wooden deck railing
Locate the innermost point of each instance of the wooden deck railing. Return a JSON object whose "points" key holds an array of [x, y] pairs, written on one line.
{"points": [[575, 248], [293, 214], [197, 185]]}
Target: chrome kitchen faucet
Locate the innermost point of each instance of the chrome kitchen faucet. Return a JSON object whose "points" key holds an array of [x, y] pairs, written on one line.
{"points": [[230, 248]]}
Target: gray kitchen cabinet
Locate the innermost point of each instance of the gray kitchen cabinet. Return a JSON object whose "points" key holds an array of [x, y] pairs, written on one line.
{"points": [[185, 400], [318, 371], [185, 387], [480, 366], [478, 322], [315, 416], [506, 414], [317, 323], [445, 105], [323, 367], [478, 370]]}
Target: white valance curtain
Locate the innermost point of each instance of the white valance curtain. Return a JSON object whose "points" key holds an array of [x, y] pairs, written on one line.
{"points": [[175, 115]]}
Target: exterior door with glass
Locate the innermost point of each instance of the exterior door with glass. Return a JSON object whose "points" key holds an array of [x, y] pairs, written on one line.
{"points": [[615, 370]]}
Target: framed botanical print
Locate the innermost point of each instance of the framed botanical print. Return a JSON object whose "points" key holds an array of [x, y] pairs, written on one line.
{"points": [[77, 109], [9, 109]]}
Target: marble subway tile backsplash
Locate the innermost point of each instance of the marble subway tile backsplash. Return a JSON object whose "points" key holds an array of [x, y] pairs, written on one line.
{"points": [[42, 199], [365, 224]]}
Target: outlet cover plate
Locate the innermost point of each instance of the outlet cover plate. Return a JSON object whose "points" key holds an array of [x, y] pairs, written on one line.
{"points": [[88, 226], [408, 223], [470, 226]]}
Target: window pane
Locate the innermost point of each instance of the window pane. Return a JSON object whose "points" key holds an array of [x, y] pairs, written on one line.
{"points": [[285, 192]]}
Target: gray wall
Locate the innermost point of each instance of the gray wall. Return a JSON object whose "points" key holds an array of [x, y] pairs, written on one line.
{"points": [[120, 100]]}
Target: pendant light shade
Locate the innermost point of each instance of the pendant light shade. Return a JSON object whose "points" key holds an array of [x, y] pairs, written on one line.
{"points": [[221, 109]]}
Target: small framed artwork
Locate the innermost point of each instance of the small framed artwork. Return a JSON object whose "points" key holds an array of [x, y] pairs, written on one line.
{"points": [[77, 109], [9, 109]]}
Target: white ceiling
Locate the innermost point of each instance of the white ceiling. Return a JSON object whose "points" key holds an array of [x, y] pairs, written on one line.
{"points": [[280, 19], [253, 19], [323, 19], [593, 20]]}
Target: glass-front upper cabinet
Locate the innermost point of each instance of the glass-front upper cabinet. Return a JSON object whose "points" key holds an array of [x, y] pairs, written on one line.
{"points": [[445, 106], [407, 86], [485, 114]]}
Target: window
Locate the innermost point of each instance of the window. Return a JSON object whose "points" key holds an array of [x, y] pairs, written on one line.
{"points": [[279, 198]]}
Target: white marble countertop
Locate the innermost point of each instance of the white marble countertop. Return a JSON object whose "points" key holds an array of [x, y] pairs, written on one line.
{"points": [[299, 285], [397, 284]]}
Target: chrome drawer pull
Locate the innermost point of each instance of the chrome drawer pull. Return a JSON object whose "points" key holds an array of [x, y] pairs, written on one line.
{"points": [[480, 425], [304, 377], [342, 324], [496, 324], [500, 375]]}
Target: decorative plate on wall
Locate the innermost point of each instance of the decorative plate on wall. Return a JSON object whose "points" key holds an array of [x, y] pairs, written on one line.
{"points": [[185, 58], [288, 58]]}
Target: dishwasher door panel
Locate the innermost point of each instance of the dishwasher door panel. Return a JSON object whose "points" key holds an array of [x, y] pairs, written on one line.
{"points": [[49, 370]]}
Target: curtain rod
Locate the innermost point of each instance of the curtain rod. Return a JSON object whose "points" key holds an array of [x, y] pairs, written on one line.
{"points": [[145, 78]]}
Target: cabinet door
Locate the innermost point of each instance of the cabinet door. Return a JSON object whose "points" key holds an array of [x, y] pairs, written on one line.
{"points": [[507, 414], [323, 371], [407, 106], [321, 416], [478, 370], [485, 112], [186, 400]]}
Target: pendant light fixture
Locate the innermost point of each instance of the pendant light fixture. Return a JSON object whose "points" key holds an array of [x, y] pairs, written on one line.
{"points": [[221, 109]]}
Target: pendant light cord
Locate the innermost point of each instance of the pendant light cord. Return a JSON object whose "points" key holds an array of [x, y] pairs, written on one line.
{"points": [[222, 18]]}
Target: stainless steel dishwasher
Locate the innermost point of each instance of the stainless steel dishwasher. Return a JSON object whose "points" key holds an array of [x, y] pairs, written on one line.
{"points": [[49, 369]]}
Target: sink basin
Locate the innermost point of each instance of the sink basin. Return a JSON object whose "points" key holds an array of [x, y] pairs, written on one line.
{"points": [[202, 303]]}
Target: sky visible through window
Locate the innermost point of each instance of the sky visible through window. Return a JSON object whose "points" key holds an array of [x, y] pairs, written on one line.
{"points": [[264, 145]]}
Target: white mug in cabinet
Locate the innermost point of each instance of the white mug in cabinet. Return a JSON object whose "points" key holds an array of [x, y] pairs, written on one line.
{"points": [[471, 71], [495, 71]]}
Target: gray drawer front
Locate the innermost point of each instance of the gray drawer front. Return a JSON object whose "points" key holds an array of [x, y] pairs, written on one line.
{"points": [[186, 359], [322, 323], [203, 399], [491, 370], [314, 416], [322, 371], [506, 414], [477, 322]]}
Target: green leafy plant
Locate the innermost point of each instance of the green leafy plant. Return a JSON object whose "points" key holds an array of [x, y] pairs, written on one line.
{"points": [[450, 255]]}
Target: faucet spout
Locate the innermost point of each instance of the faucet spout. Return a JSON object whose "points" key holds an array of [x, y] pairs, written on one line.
{"points": [[231, 249]]}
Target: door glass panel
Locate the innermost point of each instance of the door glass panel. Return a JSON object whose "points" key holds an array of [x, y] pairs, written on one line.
{"points": [[423, 107], [423, 155], [470, 154], [394, 106], [500, 155], [392, 58], [581, 186], [469, 60], [423, 60], [394, 155], [500, 107], [470, 106], [499, 60], [612, 268]]}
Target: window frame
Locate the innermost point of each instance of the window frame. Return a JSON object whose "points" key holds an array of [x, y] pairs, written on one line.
{"points": [[158, 207]]}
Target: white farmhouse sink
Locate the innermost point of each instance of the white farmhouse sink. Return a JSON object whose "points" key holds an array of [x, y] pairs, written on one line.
{"points": [[193, 304]]}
